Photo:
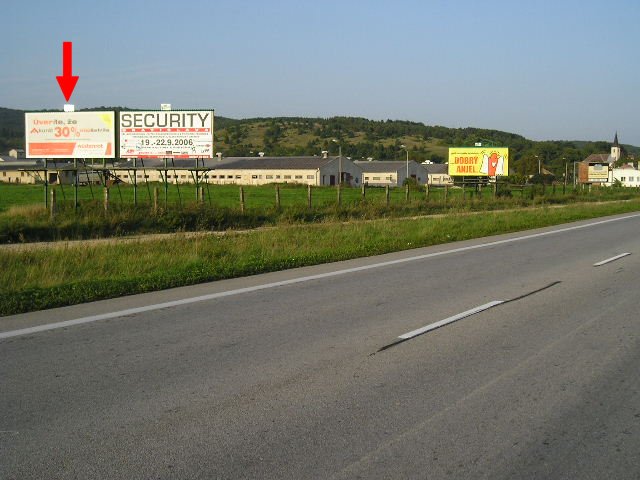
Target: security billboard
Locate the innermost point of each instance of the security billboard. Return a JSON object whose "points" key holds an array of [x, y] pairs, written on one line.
{"points": [[70, 135], [162, 134], [478, 161]]}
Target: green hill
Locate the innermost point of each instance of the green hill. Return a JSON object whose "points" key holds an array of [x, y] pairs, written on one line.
{"points": [[361, 138]]}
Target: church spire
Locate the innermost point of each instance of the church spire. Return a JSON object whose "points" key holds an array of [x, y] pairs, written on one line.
{"points": [[616, 151]]}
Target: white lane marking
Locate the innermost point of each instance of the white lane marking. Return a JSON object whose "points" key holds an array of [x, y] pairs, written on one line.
{"points": [[454, 318], [612, 259], [239, 291]]}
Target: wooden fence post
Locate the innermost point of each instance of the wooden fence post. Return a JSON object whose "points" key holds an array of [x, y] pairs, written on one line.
{"points": [[406, 193], [364, 191], [386, 193], [241, 200], [54, 207], [446, 192], [426, 191], [106, 199], [309, 201], [277, 197], [156, 194]]}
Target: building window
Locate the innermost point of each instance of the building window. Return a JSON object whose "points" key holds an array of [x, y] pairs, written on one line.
{"points": [[146, 176], [238, 176], [376, 178], [299, 177], [287, 177], [254, 176], [214, 176], [269, 177], [277, 176], [229, 176], [623, 179], [390, 178], [310, 177]]}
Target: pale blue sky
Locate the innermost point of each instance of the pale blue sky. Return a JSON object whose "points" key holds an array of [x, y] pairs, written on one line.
{"points": [[563, 69]]}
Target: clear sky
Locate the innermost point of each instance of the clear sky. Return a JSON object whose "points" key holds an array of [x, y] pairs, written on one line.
{"points": [[562, 69]]}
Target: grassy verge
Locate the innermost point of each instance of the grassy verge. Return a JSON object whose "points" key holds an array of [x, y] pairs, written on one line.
{"points": [[45, 278], [29, 223]]}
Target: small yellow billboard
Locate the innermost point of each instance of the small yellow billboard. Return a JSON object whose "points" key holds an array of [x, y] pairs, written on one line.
{"points": [[478, 161]]}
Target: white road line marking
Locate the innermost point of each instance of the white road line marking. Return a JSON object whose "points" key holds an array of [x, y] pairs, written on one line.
{"points": [[239, 291], [612, 259], [454, 318]]}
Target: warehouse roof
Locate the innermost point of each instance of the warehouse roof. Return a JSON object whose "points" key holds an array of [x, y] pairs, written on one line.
{"points": [[437, 168], [272, 163], [375, 166]]}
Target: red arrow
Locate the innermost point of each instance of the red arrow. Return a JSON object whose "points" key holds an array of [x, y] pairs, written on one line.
{"points": [[67, 81]]}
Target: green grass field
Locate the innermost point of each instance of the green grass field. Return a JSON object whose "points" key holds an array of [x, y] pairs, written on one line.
{"points": [[23, 217], [264, 197], [38, 278]]}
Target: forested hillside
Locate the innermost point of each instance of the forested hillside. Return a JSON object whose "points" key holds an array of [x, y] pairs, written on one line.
{"points": [[362, 139]]}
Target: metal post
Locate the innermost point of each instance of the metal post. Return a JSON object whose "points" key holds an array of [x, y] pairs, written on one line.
{"points": [[46, 185], [135, 182], [364, 191], [426, 191], [166, 185], [339, 170], [75, 184]]}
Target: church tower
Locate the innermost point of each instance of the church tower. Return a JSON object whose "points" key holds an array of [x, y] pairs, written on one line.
{"points": [[616, 152]]}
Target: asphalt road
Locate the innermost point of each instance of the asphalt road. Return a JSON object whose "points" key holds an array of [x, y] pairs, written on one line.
{"points": [[286, 376]]}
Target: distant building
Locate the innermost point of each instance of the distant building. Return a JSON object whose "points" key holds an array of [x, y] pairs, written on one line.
{"points": [[597, 167], [438, 174], [627, 175], [22, 170], [261, 170], [16, 153], [381, 173]]}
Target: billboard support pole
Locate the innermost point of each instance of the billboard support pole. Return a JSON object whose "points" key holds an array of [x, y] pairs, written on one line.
{"points": [[86, 174], [75, 185], [46, 185], [135, 182], [166, 186]]}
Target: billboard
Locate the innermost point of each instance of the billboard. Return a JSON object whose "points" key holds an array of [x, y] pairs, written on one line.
{"points": [[478, 161], [162, 134], [598, 173], [70, 135]]}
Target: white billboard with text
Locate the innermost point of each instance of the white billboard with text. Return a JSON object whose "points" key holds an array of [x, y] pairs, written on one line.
{"points": [[162, 134]]}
